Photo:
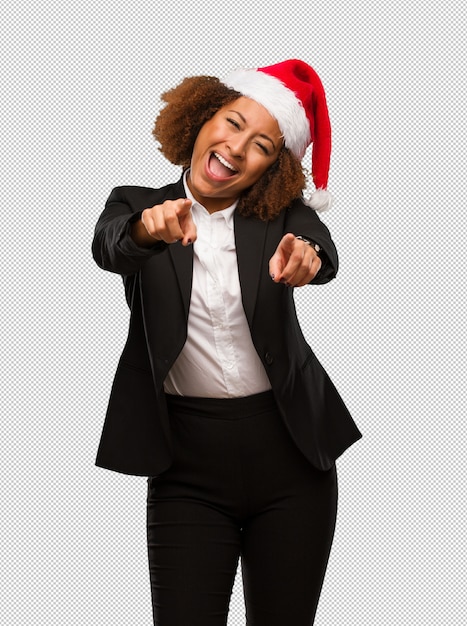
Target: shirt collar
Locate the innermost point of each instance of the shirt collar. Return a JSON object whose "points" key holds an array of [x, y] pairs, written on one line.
{"points": [[197, 207]]}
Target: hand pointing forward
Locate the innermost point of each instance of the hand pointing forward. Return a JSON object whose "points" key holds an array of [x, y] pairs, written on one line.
{"points": [[170, 222], [294, 262]]}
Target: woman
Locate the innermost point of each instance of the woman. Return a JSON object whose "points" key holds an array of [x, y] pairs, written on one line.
{"points": [[217, 398]]}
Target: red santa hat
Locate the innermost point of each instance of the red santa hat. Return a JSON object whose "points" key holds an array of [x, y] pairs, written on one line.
{"points": [[293, 94]]}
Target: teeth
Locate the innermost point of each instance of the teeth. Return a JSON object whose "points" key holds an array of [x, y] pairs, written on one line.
{"points": [[224, 162]]}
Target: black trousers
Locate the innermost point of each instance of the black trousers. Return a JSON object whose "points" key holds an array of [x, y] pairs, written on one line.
{"points": [[238, 488]]}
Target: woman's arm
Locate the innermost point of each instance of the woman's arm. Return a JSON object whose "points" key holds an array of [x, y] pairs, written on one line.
{"points": [[132, 229], [113, 247]]}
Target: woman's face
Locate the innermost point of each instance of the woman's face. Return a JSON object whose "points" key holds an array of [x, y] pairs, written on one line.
{"points": [[231, 153]]}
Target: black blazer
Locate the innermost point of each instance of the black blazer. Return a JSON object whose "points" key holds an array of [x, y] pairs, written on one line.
{"points": [[136, 437]]}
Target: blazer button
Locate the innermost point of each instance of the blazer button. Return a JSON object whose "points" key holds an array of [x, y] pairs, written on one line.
{"points": [[269, 358]]}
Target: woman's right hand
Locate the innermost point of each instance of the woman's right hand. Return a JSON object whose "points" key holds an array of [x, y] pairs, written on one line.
{"points": [[170, 222]]}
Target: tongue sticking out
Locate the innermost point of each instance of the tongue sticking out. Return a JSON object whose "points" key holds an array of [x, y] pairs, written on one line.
{"points": [[218, 169]]}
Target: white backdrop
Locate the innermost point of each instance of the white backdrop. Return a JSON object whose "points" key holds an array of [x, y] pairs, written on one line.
{"points": [[80, 87]]}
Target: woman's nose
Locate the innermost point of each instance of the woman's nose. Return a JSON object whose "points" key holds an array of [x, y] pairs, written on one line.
{"points": [[237, 145]]}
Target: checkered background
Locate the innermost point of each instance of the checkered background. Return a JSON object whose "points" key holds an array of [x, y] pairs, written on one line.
{"points": [[80, 86]]}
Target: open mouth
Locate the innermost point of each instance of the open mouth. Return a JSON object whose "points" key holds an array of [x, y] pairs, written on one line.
{"points": [[220, 167]]}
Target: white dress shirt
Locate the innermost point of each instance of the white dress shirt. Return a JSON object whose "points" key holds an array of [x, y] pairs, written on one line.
{"points": [[218, 359]]}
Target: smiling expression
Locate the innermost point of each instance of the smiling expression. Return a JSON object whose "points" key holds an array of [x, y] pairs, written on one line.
{"points": [[232, 151]]}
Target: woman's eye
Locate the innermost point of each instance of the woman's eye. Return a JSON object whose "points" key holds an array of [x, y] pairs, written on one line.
{"points": [[263, 148], [233, 122]]}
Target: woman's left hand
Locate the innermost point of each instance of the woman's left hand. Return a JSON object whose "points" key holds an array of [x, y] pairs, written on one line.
{"points": [[294, 262]]}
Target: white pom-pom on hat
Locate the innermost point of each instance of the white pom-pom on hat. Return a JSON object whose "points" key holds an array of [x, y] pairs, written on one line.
{"points": [[320, 200]]}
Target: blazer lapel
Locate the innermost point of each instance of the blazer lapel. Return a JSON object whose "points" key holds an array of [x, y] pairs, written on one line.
{"points": [[250, 236], [182, 258]]}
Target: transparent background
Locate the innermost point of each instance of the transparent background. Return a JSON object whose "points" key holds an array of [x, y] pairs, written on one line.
{"points": [[80, 87]]}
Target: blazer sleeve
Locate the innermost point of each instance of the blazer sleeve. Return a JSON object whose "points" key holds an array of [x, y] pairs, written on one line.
{"points": [[113, 248], [301, 220]]}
